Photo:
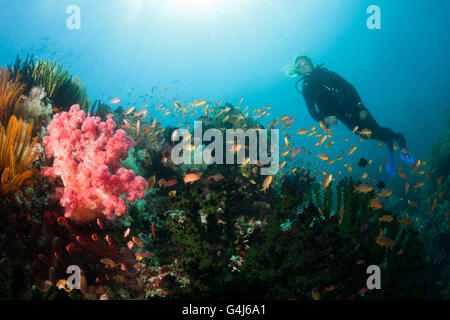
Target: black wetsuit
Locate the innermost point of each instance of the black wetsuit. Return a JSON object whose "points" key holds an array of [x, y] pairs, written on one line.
{"points": [[334, 96]]}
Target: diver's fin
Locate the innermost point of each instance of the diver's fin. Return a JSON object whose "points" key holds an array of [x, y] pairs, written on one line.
{"points": [[390, 168], [407, 156]]}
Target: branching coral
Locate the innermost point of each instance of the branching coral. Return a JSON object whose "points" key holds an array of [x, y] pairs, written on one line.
{"points": [[10, 95], [16, 156], [88, 156]]}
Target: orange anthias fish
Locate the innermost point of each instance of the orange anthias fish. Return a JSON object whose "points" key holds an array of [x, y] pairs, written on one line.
{"points": [[363, 188], [266, 183], [151, 182], [433, 204], [294, 153], [114, 101], [170, 183], [327, 181], [352, 149], [386, 193], [418, 185], [191, 178], [412, 203], [108, 262], [385, 218], [130, 110], [323, 156], [137, 241], [287, 120], [140, 113], [376, 203]]}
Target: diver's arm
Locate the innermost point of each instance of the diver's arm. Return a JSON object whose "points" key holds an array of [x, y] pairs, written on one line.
{"points": [[315, 114]]}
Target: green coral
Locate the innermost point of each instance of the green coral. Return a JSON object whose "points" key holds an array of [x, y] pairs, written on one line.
{"points": [[63, 90]]}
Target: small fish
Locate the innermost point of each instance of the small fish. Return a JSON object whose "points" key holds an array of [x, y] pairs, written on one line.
{"points": [[415, 166], [170, 183], [151, 182], [114, 101], [172, 193], [327, 181], [363, 188], [322, 140], [294, 153], [266, 183], [108, 262], [375, 203], [402, 175], [109, 116], [126, 233], [284, 153], [354, 129], [406, 187], [365, 132], [385, 242], [323, 156], [418, 185], [385, 218], [235, 148], [137, 241], [341, 214], [138, 127], [302, 131], [352, 149], [140, 113], [198, 103], [433, 204], [130, 110], [191, 178], [287, 120], [412, 203], [386, 193]]}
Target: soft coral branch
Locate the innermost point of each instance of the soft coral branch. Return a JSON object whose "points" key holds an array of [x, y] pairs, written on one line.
{"points": [[87, 157]]}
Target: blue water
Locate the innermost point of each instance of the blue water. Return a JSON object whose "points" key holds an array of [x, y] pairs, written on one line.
{"points": [[232, 49]]}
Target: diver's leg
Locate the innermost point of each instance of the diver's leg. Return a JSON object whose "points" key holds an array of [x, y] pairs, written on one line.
{"points": [[390, 168]]}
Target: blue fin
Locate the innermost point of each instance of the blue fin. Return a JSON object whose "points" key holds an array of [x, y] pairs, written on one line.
{"points": [[390, 168], [408, 157]]}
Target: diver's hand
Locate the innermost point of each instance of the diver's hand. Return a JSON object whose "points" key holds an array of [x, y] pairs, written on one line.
{"points": [[330, 121]]}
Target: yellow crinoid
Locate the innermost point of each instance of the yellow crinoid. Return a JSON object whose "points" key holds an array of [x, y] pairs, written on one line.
{"points": [[16, 157], [11, 91]]}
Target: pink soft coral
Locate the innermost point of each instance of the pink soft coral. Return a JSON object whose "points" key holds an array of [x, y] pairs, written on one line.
{"points": [[88, 161]]}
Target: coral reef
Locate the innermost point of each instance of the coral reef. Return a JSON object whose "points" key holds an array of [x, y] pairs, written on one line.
{"points": [[16, 156], [87, 155], [63, 90]]}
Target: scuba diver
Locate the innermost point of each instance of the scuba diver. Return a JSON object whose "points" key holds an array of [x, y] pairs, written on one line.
{"points": [[329, 98]]}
